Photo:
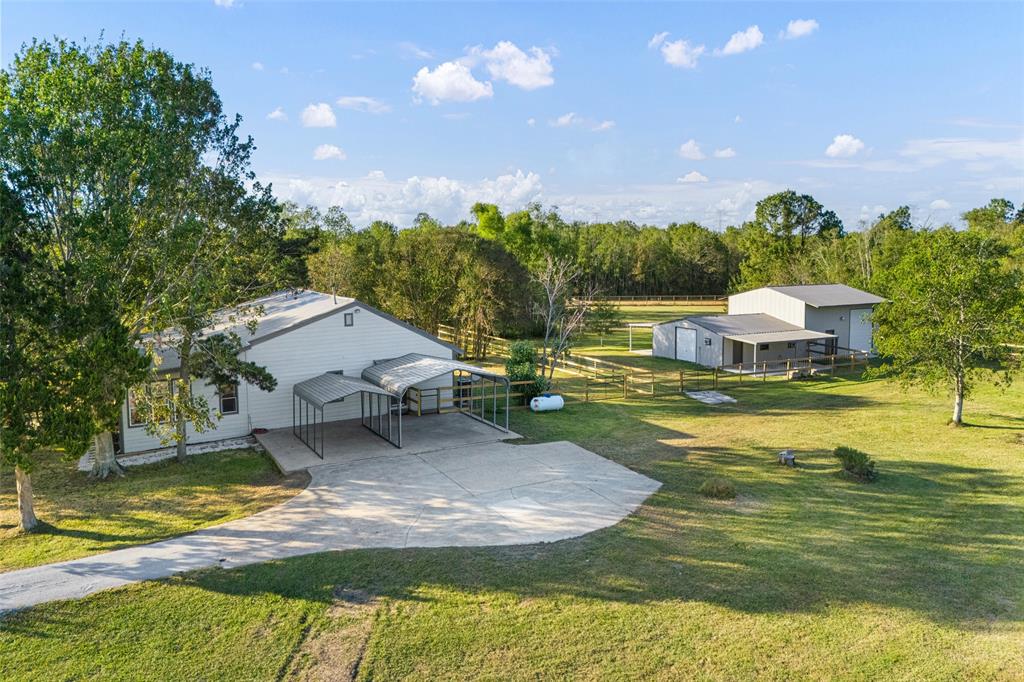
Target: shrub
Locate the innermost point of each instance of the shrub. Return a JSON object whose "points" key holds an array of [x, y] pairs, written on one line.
{"points": [[718, 488], [856, 463], [522, 366]]}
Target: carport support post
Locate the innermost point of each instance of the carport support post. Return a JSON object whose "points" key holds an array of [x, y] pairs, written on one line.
{"points": [[399, 421]]}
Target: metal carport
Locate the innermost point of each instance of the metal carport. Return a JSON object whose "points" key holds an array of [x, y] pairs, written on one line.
{"points": [[397, 375], [313, 394]]}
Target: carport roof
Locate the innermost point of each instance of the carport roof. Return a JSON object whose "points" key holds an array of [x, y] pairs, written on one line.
{"points": [[332, 387], [398, 374], [770, 337], [746, 323]]}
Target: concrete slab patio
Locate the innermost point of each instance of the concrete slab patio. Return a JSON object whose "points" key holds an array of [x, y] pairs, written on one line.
{"points": [[483, 494], [349, 441]]}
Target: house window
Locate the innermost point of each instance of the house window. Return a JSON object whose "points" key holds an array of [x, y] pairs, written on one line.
{"points": [[139, 397], [707, 342], [350, 319], [762, 346], [791, 344], [228, 398]]}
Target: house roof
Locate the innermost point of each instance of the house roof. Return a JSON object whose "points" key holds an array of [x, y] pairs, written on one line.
{"points": [[826, 295], [398, 374], [748, 323], [285, 311], [332, 387]]}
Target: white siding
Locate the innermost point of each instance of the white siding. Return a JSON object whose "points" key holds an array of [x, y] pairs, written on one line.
{"points": [[299, 354], [771, 302], [135, 438], [327, 345], [708, 355]]}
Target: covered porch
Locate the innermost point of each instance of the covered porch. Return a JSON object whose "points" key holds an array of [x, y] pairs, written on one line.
{"points": [[755, 349]]}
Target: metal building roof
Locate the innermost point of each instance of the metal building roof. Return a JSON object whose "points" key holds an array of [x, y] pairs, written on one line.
{"points": [[398, 374], [771, 337], [825, 295], [332, 387], [748, 323]]}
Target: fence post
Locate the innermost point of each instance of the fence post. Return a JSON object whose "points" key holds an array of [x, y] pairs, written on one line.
{"points": [[833, 365], [624, 386], [682, 382], [764, 372], [586, 390], [716, 378]]}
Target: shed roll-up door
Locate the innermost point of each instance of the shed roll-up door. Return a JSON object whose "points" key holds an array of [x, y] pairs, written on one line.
{"points": [[686, 344]]}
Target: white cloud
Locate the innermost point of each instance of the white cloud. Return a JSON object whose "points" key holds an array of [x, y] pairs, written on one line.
{"points": [[743, 41], [798, 28], [680, 54], [257, 66], [657, 39], [414, 50], [375, 197], [565, 120], [692, 176], [935, 151], [738, 119], [505, 61], [277, 115], [450, 81], [574, 119], [328, 151], [224, 3], [319, 116], [531, 122], [719, 203], [376, 175], [365, 104], [726, 153], [843, 146], [940, 205], [691, 150]]}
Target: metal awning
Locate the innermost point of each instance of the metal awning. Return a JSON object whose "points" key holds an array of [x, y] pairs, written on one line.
{"points": [[396, 375], [771, 337], [332, 387]]}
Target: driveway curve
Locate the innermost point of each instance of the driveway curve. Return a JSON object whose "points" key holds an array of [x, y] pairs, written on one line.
{"points": [[489, 494]]}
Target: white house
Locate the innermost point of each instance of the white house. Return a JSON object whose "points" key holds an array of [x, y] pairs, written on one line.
{"points": [[773, 323], [301, 335]]}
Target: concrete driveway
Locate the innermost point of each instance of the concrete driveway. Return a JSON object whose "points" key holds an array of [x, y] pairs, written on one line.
{"points": [[486, 494]]}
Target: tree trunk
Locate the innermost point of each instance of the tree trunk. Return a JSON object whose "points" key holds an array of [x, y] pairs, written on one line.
{"points": [[104, 463], [958, 403], [26, 510], [180, 428]]}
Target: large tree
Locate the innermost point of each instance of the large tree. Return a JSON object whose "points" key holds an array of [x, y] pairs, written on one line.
{"points": [[112, 150], [953, 307]]}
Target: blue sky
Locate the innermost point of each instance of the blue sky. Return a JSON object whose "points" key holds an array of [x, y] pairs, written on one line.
{"points": [[649, 112]]}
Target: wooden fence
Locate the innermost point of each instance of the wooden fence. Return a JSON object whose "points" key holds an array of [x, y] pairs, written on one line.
{"points": [[703, 299], [585, 378]]}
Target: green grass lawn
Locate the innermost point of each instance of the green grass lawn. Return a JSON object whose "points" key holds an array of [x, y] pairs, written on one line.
{"points": [[806, 575], [81, 516]]}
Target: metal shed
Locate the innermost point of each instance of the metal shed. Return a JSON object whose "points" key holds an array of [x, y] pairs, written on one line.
{"points": [[310, 396]]}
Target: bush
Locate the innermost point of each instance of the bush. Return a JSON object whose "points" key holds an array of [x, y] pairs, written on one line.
{"points": [[856, 463], [522, 366], [718, 488]]}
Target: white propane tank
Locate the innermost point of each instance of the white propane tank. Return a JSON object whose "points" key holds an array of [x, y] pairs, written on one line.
{"points": [[547, 402]]}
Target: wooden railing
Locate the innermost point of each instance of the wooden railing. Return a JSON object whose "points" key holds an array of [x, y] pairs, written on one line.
{"points": [[700, 299]]}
